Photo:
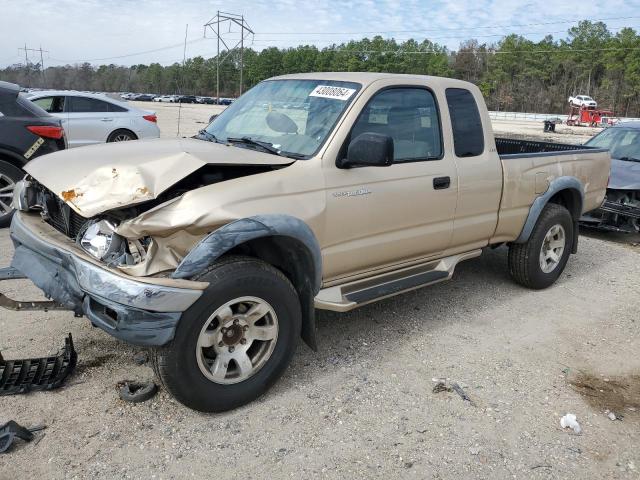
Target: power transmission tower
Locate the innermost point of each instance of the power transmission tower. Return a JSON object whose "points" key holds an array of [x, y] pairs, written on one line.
{"points": [[26, 62], [228, 19]]}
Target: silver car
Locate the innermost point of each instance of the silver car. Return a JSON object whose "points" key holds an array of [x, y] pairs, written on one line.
{"points": [[90, 118]]}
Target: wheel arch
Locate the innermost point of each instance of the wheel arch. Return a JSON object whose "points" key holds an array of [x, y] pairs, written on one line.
{"points": [[122, 129], [283, 241], [13, 158], [566, 191]]}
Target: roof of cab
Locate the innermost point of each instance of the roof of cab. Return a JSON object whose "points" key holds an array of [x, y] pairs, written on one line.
{"points": [[367, 78]]}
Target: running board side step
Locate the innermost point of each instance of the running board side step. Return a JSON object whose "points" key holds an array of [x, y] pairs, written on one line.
{"points": [[345, 297]]}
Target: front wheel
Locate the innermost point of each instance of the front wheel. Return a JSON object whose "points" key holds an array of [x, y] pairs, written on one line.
{"points": [[539, 262], [235, 341], [9, 175]]}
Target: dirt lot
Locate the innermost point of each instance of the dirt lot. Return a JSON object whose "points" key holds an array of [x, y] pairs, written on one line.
{"points": [[363, 406]]}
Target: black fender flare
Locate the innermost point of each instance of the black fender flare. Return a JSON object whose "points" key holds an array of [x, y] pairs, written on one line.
{"points": [[555, 186], [244, 230]]}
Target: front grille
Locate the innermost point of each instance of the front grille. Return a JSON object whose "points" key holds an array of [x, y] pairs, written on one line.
{"points": [[61, 217]]}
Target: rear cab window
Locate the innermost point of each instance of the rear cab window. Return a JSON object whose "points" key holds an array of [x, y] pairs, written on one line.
{"points": [[468, 135]]}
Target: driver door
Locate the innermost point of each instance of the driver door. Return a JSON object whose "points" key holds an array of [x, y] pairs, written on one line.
{"points": [[379, 217]]}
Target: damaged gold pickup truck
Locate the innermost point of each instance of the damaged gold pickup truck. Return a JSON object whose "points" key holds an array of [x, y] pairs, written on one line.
{"points": [[312, 191]]}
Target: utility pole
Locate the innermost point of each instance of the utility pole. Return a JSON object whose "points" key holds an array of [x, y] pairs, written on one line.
{"points": [[230, 19], [26, 62]]}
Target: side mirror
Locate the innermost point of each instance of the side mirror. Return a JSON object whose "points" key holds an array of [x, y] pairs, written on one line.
{"points": [[369, 150]]}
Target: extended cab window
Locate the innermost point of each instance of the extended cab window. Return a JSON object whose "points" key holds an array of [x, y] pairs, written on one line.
{"points": [[85, 105], [410, 117], [51, 104], [468, 136]]}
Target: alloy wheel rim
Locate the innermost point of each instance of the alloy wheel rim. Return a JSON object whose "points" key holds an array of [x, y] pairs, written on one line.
{"points": [[552, 248], [7, 186], [237, 340], [122, 137]]}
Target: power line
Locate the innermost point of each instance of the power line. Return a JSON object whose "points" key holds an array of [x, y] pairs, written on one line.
{"points": [[465, 36], [155, 50], [442, 29]]}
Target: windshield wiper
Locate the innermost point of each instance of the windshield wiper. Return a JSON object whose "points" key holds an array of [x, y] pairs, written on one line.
{"points": [[629, 159], [250, 141], [210, 137]]}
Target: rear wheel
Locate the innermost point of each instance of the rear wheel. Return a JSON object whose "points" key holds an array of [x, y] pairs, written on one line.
{"points": [[539, 262], [9, 175], [121, 135], [234, 342]]}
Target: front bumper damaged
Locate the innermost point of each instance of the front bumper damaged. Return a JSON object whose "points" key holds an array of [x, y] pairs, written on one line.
{"points": [[614, 217], [143, 312]]}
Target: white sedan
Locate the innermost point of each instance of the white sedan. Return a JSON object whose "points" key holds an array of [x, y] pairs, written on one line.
{"points": [[583, 101], [165, 99], [90, 118]]}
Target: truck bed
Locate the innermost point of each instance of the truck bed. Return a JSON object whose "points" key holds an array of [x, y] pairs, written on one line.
{"points": [[516, 148], [528, 169]]}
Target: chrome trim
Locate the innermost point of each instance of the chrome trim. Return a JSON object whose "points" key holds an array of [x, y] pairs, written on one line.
{"points": [[99, 282], [20, 201]]}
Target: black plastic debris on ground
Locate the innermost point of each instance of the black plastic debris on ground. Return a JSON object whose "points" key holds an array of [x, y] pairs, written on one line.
{"points": [[136, 392], [37, 374], [12, 430]]}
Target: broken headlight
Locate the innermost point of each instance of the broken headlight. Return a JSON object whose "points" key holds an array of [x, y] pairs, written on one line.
{"points": [[99, 239]]}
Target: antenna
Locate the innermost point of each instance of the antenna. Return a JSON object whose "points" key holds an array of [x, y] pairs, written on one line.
{"points": [[184, 59]]}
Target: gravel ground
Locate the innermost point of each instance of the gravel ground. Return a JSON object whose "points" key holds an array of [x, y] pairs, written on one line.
{"points": [[363, 406]]}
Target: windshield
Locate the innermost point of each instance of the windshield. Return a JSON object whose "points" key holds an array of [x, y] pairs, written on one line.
{"points": [[623, 143], [292, 117]]}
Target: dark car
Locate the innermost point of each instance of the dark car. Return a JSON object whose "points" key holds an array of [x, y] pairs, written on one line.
{"points": [[145, 97], [621, 208], [187, 99], [26, 132]]}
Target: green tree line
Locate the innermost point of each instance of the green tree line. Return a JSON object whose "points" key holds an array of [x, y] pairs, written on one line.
{"points": [[514, 74]]}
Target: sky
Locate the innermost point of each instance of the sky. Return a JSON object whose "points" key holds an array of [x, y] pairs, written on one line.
{"points": [[128, 32]]}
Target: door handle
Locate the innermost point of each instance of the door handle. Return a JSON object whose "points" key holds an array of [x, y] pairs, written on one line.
{"points": [[440, 183], [106, 119]]}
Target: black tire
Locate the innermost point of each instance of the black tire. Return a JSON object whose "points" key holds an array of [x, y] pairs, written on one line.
{"points": [[524, 258], [121, 135], [176, 364], [11, 174]]}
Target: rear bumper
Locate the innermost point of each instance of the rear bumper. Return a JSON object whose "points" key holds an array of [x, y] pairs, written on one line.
{"points": [[136, 312]]}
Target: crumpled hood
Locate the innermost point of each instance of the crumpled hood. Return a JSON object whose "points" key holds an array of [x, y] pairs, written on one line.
{"points": [[102, 177], [625, 175]]}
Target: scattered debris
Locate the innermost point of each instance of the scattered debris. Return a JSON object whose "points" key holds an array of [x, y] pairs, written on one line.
{"points": [[141, 357], [613, 415], [37, 374], [474, 450], [541, 466], [136, 392], [458, 389], [10, 430], [441, 387], [570, 421]]}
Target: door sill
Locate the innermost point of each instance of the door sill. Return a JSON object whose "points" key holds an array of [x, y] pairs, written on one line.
{"points": [[350, 295]]}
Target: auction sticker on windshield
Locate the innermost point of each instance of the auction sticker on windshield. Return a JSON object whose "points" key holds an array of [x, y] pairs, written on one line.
{"points": [[337, 93]]}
